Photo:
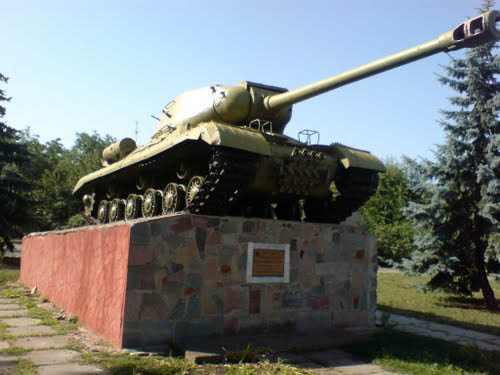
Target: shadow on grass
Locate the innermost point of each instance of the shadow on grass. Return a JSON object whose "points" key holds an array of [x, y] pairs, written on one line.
{"points": [[467, 303], [423, 355], [493, 330]]}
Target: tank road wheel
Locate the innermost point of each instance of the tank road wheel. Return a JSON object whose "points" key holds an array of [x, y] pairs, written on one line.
{"points": [[173, 198], [116, 210], [102, 212], [133, 207], [152, 203], [193, 188]]}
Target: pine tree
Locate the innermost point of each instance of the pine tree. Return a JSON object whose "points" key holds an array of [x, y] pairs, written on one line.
{"points": [[12, 185], [456, 227]]}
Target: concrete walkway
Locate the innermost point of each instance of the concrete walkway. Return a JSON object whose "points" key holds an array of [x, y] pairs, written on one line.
{"points": [[446, 332], [38, 343]]}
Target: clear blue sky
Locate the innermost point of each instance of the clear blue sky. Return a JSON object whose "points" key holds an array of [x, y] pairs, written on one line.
{"points": [[80, 66]]}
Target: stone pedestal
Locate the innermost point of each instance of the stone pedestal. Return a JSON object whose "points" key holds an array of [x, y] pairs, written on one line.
{"points": [[150, 282]]}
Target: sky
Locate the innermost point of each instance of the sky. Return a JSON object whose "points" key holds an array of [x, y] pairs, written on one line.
{"points": [[105, 66]]}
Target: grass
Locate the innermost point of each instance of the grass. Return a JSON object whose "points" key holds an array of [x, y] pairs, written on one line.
{"points": [[4, 335], [8, 276], [406, 295], [124, 364], [417, 355], [73, 344], [15, 350], [25, 367]]}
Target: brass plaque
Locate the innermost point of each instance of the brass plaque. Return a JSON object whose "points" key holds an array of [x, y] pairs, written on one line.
{"points": [[268, 262]]}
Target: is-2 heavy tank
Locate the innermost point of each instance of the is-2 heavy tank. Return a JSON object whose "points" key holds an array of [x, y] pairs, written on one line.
{"points": [[220, 150]]}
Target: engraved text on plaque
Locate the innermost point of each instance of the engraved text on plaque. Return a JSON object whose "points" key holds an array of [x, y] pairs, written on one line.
{"points": [[268, 262]]}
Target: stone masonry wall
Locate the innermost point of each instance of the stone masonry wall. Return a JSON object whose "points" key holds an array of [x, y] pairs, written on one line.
{"points": [[187, 276]]}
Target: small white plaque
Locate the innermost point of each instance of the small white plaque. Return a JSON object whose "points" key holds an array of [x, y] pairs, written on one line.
{"points": [[268, 263]]}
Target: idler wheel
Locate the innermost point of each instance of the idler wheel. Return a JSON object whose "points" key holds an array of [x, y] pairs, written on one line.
{"points": [[116, 210], [193, 188], [173, 198], [133, 207], [88, 204], [152, 203], [103, 212]]}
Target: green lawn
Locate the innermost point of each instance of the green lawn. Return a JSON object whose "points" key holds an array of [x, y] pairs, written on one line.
{"points": [[8, 276], [406, 295], [417, 355]]}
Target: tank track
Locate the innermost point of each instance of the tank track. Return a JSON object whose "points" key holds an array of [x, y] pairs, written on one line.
{"points": [[229, 172], [355, 186]]}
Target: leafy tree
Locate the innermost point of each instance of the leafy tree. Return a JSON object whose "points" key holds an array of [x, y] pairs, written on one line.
{"points": [[45, 158], [461, 221], [56, 173], [13, 154], [383, 215]]}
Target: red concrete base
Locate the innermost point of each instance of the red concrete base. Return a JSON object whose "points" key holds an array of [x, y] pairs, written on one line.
{"points": [[84, 272]]}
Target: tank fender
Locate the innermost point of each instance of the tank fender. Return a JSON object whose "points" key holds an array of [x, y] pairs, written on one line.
{"points": [[354, 158], [212, 133], [218, 134]]}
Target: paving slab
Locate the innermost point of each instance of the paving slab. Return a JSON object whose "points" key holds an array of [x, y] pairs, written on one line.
{"points": [[51, 357], [13, 313], [359, 369], [69, 368], [310, 366], [21, 322], [6, 300], [31, 331], [4, 345], [7, 361], [46, 342], [46, 306], [11, 306], [200, 358], [331, 357], [325, 371]]}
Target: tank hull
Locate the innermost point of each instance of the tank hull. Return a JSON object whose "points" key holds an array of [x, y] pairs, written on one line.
{"points": [[243, 171]]}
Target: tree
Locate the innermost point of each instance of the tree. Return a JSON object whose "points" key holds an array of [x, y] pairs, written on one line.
{"points": [[462, 219], [56, 172], [13, 155], [383, 215], [44, 159]]}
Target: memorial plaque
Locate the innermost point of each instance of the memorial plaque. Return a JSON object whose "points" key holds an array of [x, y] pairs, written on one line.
{"points": [[268, 262]]}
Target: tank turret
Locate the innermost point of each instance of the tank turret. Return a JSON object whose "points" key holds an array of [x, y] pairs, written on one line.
{"points": [[220, 150], [240, 104]]}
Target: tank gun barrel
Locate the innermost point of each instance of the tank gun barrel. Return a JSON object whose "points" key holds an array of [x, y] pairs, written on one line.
{"points": [[471, 33]]}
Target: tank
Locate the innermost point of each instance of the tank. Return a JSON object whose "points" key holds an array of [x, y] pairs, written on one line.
{"points": [[221, 150]]}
